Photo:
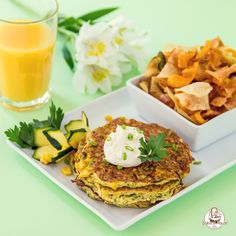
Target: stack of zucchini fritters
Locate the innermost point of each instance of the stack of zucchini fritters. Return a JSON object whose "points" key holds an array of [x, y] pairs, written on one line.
{"points": [[139, 186]]}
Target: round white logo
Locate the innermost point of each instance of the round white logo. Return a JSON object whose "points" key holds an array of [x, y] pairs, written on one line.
{"points": [[214, 218]]}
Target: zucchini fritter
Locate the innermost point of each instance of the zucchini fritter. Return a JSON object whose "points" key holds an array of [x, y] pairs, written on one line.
{"points": [[139, 186]]}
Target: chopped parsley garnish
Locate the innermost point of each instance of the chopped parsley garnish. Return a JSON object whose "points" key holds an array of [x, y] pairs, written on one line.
{"points": [[174, 146], [139, 131], [119, 167], [93, 143], [129, 148], [154, 149], [106, 162], [123, 126], [196, 162], [130, 136], [23, 134], [124, 156], [56, 116]]}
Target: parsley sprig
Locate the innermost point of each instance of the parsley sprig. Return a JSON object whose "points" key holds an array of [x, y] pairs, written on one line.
{"points": [[23, 134], [56, 116], [154, 149]]}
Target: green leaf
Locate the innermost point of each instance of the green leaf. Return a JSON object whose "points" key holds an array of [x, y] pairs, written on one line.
{"points": [[67, 21], [70, 23], [160, 155], [73, 28], [91, 16], [68, 57], [27, 133], [143, 143], [154, 149], [158, 141], [56, 116], [14, 136], [23, 134]]}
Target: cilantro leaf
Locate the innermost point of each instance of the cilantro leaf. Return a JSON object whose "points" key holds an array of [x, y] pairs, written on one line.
{"points": [[154, 149]]}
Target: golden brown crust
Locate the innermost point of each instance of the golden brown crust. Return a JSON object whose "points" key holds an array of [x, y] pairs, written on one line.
{"points": [[139, 186], [177, 163]]}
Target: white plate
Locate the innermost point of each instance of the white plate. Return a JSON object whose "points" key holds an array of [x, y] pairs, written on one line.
{"points": [[215, 158]]}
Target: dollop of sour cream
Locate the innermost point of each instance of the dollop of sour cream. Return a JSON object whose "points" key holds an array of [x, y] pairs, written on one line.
{"points": [[122, 146]]}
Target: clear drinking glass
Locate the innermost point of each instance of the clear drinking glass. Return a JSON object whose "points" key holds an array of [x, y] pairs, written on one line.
{"points": [[27, 38]]}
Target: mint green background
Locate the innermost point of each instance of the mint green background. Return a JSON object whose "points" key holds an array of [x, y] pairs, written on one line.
{"points": [[30, 204]]}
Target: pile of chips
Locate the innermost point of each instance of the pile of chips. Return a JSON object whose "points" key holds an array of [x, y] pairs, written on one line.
{"points": [[198, 82]]}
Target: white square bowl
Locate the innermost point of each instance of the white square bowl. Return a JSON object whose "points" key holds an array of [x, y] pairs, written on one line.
{"points": [[197, 136]]}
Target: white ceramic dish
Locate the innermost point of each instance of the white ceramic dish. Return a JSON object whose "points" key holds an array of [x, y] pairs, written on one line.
{"points": [[197, 136], [215, 159]]}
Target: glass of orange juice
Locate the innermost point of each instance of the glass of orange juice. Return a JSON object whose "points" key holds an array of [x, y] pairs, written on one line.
{"points": [[27, 39]]}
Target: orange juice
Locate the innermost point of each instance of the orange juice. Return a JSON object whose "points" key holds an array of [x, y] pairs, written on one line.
{"points": [[25, 60]]}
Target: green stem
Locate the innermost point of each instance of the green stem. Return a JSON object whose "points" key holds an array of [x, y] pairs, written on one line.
{"points": [[66, 33]]}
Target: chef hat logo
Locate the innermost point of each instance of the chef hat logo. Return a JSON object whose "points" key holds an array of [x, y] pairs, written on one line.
{"points": [[214, 215], [214, 218]]}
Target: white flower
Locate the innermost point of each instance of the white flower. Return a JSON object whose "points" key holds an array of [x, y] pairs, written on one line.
{"points": [[94, 45], [131, 44], [90, 78], [105, 51]]}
